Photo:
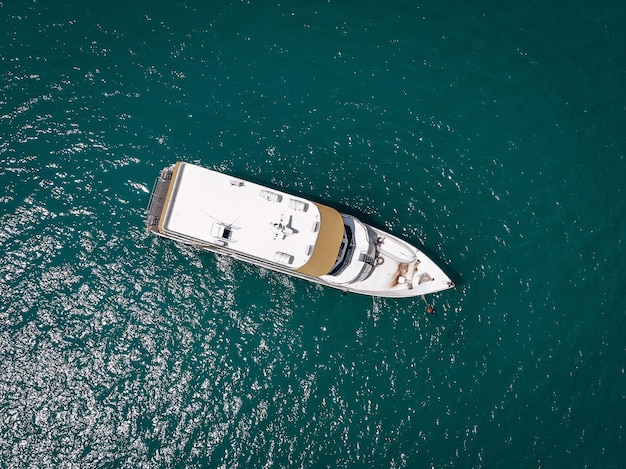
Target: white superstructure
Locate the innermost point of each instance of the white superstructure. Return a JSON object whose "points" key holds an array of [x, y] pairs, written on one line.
{"points": [[287, 233]]}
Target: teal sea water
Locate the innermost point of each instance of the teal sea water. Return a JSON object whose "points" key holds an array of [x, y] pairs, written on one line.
{"points": [[491, 133]]}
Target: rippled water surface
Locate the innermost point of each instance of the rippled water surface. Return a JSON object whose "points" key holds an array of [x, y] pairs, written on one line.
{"points": [[492, 135]]}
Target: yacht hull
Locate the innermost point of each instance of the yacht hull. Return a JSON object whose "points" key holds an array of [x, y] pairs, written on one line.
{"points": [[287, 234]]}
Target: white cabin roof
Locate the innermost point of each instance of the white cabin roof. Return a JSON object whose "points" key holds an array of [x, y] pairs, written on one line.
{"points": [[215, 208]]}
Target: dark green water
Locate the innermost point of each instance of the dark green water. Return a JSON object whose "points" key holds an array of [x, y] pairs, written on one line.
{"points": [[493, 134]]}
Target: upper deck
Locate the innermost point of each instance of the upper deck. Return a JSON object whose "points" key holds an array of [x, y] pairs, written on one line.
{"points": [[206, 206]]}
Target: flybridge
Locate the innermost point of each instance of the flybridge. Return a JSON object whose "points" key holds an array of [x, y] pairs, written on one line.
{"points": [[212, 208]]}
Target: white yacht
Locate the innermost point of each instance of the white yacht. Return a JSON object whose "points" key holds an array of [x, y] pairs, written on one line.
{"points": [[286, 233]]}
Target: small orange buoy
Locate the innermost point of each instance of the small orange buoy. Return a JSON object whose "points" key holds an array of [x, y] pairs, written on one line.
{"points": [[429, 310]]}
